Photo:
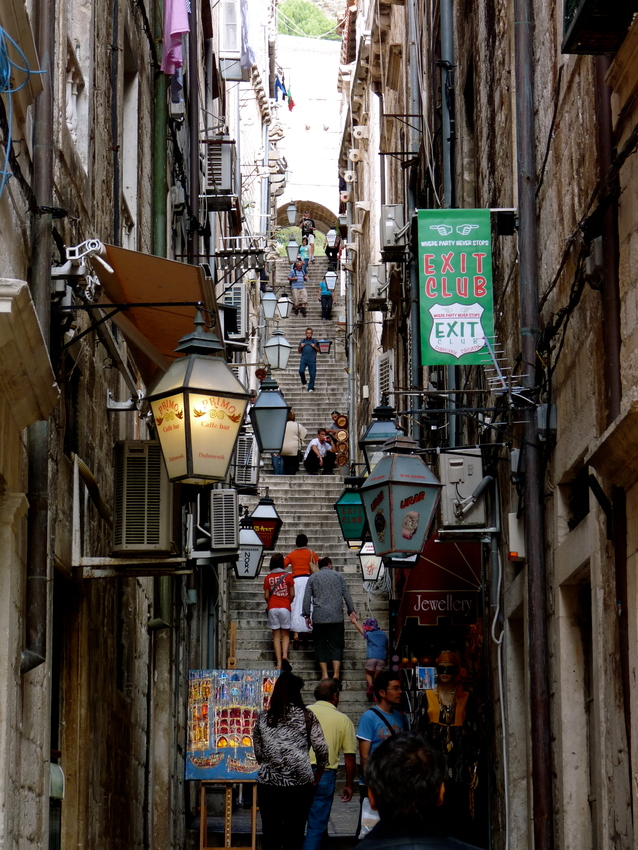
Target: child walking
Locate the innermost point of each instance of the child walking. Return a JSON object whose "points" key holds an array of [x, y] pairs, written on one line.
{"points": [[376, 650]]}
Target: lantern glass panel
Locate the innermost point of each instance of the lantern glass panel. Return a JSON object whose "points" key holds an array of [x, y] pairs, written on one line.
{"points": [[331, 280], [284, 305], [214, 425], [212, 373], [291, 212], [266, 523], [293, 249], [251, 550], [351, 515], [372, 568], [269, 303], [277, 351], [170, 421], [269, 415]]}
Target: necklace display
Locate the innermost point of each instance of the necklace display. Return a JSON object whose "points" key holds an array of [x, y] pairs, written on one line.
{"points": [[447, 714]]}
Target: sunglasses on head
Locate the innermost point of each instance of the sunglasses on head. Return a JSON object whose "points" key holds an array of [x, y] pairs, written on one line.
{"points": [[443, 669]]}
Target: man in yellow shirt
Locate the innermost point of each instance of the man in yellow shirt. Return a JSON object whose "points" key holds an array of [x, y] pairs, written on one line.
{"points": [[338, 731]]}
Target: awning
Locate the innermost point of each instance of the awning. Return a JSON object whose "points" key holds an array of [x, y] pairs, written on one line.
{"points": [[445, 583], [153, 332]]}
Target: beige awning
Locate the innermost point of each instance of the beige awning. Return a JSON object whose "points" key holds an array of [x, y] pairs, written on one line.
{"points": [[153, 332]]}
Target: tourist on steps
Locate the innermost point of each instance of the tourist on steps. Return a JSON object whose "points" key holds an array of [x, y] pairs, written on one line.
{"points": [[298, 280], [279, 592], [325, 594], [285, 781], [294, 435], [302, 562], [325, 296], [320, 454], [308, 348]]}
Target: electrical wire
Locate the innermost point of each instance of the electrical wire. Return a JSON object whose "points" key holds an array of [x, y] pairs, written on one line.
{"points": [[498, 640], [301, 32], [7, 67]]}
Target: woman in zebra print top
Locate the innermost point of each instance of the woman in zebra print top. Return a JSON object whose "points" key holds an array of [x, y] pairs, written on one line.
{"points": [[282, 738]]}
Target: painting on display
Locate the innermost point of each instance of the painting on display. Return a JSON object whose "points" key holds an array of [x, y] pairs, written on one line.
{"points": [[223, 706]]}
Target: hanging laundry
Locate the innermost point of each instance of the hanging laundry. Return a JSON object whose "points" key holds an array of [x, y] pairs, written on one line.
{"points": [[175, 25], [280, 87], [291, 103]]}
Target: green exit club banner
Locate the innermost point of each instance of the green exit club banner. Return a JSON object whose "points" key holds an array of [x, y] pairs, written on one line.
{"points": [[455, 286]]}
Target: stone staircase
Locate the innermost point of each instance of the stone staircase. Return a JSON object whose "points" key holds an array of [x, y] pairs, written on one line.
{"points": [[305, 504]]}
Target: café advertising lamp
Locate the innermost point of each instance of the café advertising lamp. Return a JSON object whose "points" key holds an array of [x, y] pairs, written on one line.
{"points": [[399, 498], [269, 415], [198, 406], [350, 513], [266, 522], [251, 550], [372, 568]]}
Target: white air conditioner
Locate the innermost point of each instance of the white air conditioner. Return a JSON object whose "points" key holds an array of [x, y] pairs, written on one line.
{"points": [[224, 520], [355, 155], [375, 283], [245, 461], [393, 235], [219, 169], [361, 132], [345, 197], [350, 177], [236, 296], [460, 472], [143, 500]]}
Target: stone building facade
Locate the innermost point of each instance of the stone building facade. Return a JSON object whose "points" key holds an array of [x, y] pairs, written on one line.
{"points": [[583, 178], [95, 652]]}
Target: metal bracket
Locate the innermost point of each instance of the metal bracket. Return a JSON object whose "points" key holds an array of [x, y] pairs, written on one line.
{"points": [[130, 404]]}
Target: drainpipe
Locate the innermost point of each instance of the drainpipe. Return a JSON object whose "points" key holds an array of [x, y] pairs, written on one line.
{"points": [[613, 387], [115, 122], [193, 120], [352, 428], [534, 519], [159, 145], [36, 603], [447, 119], [415, 319]]}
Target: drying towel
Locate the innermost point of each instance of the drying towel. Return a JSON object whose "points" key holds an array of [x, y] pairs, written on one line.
{"points": [[175, 25]]}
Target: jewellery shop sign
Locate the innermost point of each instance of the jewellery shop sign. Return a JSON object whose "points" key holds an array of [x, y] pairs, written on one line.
{"points": [[455, 285], [428, 606]]}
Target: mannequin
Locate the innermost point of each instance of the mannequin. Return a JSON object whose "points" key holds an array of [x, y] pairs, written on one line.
{"points": [[448, 721]]}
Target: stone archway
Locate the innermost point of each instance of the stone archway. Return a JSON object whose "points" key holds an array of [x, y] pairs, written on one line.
{"points": [[322, 216]]}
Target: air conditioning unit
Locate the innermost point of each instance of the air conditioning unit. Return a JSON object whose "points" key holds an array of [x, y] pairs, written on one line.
{"points": [[219, 155], [224, 520], [355, 155], [143, 522], [375, 283], [245, 461], [394, 237], [345, 197], [350, 177], [460, 472], [361, 132]]}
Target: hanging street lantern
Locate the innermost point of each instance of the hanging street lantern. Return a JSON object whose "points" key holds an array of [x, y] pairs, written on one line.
{"points": [[331, 237], [399, 497], [251, 550], [284, 306], [266, 522], [331, 280], [269, 303], [277, 350], [293, 250], [383, 427], [198, 406], [269, 415], [372, 568], [350, 513], [291, 212]]}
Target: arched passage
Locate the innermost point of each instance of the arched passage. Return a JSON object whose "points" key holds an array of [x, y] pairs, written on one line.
{"points": [[322, 216]]}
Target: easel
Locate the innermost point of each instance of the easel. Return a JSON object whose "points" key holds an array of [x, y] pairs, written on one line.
{"points": [[228, 814]]}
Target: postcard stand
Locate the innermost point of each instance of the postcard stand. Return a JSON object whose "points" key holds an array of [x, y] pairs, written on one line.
{"points": [[228, 814]]}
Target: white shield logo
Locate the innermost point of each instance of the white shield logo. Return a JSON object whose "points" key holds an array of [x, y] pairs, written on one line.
{"points": [[456, 329]]}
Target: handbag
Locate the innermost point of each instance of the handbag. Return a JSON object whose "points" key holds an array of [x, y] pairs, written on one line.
{"points": [[299, 446], [314, 563]]}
